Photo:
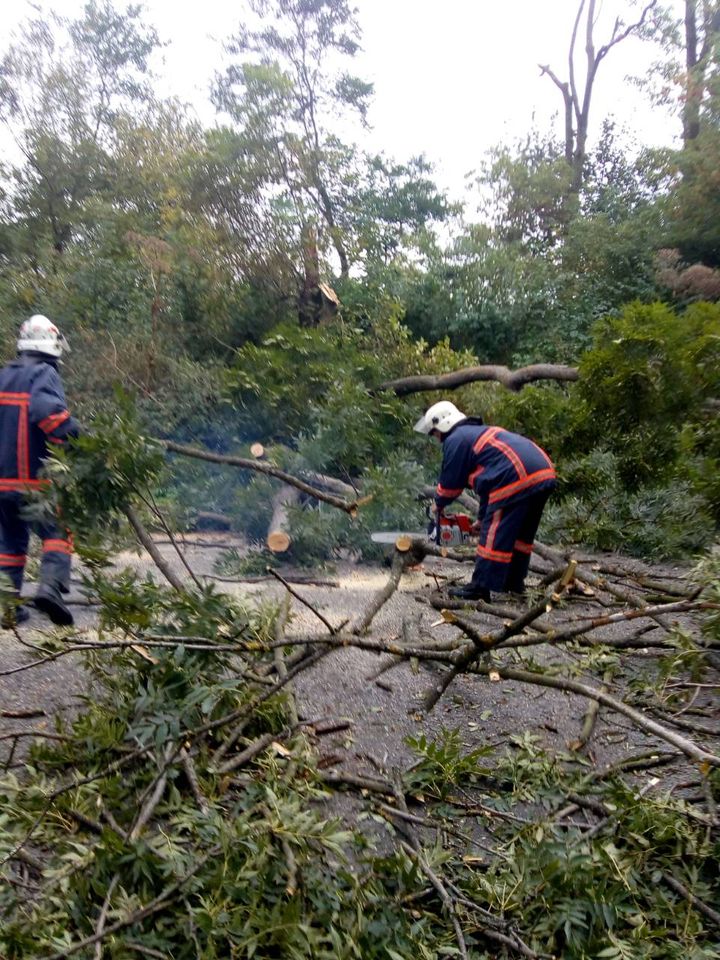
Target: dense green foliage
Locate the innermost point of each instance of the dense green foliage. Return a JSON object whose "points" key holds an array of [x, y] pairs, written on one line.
{"points": [[635, 440], [176, 258], [179, 258], [234, 900]]}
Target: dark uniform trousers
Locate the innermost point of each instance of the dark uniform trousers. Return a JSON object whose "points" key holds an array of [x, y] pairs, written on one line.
{"points": [[505, 544], [14, 537]]}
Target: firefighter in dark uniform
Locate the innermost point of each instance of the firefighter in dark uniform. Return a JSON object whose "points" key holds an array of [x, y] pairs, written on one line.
{"points": [[512, 477], [33, 415]]}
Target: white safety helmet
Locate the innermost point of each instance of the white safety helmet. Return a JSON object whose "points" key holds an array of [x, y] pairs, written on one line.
{"points": [[440, 416], [41, 335]]}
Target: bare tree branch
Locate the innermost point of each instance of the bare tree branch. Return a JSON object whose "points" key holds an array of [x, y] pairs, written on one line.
{"points": [[512, 379]]}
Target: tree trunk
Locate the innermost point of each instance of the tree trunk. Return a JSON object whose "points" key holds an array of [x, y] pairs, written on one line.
{"points": [[278, 539], [701, 34], [308, 296], [577, 101]]}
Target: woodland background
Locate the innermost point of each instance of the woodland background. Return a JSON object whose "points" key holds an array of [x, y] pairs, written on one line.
{"points": [[183, 261], [265, 279]]}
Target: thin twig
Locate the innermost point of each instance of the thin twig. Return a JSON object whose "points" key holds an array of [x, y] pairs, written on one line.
{"points": [[306, 603], [103, 916], [446, 899]]}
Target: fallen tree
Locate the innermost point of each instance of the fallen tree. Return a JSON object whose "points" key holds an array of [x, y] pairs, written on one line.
{"points": [[278, 537]]}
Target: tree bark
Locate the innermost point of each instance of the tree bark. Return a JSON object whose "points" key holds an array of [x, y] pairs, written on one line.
{"points": [[147, 541], [701, 29], [278, 539], [512, 379]]}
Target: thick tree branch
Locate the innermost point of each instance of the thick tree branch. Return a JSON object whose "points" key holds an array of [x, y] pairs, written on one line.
{"points": [[512, 379], [147, 541], [257, 467]]}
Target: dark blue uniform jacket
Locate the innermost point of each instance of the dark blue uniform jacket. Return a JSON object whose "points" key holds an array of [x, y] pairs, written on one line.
{"points": [[499, 466], [33, 414]]}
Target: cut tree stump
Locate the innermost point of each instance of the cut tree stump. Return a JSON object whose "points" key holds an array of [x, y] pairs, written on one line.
{"points": [[278, 539]]}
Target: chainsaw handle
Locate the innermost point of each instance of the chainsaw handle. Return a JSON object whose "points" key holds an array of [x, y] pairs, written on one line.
{"points": [[433, 529]]}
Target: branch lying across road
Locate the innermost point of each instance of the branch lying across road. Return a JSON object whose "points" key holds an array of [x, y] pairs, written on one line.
{"points": [[569, 685], [514, 380]]}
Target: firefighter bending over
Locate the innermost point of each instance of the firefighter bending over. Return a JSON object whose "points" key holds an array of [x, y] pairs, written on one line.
{"points": [[512, 477], [33, 414]]}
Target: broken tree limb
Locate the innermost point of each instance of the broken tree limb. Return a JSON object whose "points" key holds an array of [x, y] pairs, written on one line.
{"points": [[445, 655], [210, 519], [306, 603], [512, 379], [591, 715], [447, 901], [400, 561], [261, 578], [683, 891], [418, 549], [149, 502], [279, 658], [465, 499], [147, 541], [332, 484], [484, 642], [278, 539], [192, 779], [645, 578], [682, 744], [585, 576], [258, 467], [146, 811], [588, 625]]}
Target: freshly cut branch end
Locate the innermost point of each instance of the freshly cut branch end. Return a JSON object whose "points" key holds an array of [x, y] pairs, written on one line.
{"points": [[278, 541]]}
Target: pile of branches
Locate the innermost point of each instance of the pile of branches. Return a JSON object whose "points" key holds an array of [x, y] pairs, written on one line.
{"points": [[183, 813]]}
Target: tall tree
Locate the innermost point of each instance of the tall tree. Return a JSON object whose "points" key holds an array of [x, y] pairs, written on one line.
{"points": [[577, 90], [287, 93], [702, 39], [688, 76], [688, 79], [62, 85]]}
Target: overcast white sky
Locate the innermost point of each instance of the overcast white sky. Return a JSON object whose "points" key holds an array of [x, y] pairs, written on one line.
{"points": [[452, 77]]}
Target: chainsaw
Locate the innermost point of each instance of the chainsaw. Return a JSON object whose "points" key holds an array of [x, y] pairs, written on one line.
{"points": [[449, 530]]}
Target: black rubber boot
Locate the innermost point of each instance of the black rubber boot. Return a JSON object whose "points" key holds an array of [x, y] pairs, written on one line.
{"points": [[48, 599], [470, 592]]}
